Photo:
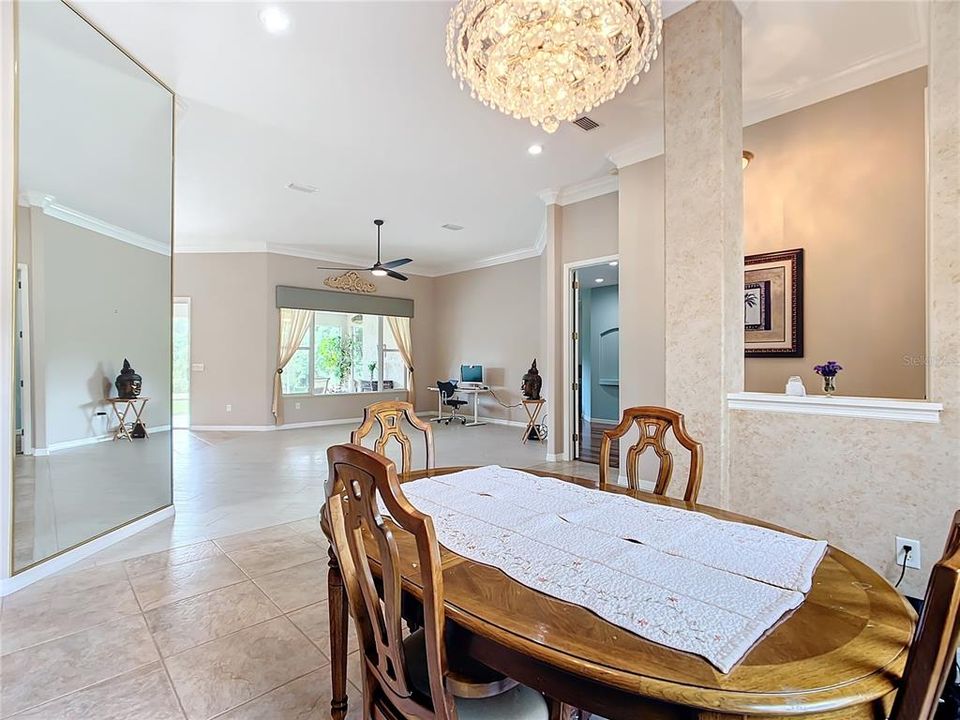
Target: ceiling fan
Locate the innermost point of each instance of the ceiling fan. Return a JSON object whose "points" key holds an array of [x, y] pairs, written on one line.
{"points": [[380, 269]]}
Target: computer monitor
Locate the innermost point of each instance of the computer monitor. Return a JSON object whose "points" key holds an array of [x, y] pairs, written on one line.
{"points": [[471, 374]]}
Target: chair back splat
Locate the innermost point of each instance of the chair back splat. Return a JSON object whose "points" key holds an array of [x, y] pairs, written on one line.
{"points": [[389, 416], [358, 477], [934, 648], [653, 423]]}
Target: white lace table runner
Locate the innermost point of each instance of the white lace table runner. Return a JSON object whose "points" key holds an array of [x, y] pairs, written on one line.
{"points": [[679, 578]]}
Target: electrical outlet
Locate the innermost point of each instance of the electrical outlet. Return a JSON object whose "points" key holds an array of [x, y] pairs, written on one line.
{"points": [[297, 406], [229, 408], [913, 561]]}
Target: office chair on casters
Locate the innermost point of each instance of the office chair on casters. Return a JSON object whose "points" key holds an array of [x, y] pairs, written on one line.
{"points": [[448, 393]]}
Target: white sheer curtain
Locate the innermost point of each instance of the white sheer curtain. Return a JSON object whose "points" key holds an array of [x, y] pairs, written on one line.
{"points": [[400, 327], [294, 324]]}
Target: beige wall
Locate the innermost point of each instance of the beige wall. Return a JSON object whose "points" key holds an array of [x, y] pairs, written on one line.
{"points": [[490, 316], [234, 326], [590, 229], [844, 180], [228, 319]]}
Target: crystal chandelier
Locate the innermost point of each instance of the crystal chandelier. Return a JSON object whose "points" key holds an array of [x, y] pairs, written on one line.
{"points": [[551, 60]]}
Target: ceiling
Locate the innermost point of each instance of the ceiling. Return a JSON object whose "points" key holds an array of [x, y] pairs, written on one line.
{"points": [[356, 100]]}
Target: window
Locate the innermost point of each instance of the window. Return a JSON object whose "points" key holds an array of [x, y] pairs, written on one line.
{"points": [[345, 353]]}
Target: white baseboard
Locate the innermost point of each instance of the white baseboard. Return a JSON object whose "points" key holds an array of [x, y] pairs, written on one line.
{"points": [[64, 560], [81, 442], [556, 457]]}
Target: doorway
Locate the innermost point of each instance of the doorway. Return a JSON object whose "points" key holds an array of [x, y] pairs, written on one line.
{"points": [[181, 362], [595, 348]]}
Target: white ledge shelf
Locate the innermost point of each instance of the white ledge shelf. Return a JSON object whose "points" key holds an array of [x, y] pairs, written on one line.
{"points": [[842, 406]]}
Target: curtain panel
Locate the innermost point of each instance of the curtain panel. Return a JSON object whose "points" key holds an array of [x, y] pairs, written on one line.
{"points": [[293, 326], [400, 327]]}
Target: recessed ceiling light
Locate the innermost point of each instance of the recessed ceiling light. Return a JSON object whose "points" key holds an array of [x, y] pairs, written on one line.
{"points": [[535, 149], [614, 263], [451, 226], [598, 280], [274, 20], [302, 188]]}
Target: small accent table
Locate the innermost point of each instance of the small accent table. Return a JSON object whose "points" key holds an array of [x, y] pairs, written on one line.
{"points": [[121, 408], [533, 408]]}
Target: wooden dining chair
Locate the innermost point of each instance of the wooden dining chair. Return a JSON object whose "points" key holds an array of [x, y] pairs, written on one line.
{"points": [[389, 415], [653, 423], [934, 647], [405, 677]]}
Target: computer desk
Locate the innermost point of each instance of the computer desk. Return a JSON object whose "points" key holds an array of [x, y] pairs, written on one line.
{"points": [[475, 391]]}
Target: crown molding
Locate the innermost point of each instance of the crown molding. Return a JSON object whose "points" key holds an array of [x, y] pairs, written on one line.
{"points": [[49, 205], [188, 247], [868, 72], [578, 192]]}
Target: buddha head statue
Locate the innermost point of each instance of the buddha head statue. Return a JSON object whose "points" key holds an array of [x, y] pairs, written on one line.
{"points": [[128, 382], [532, 382]]}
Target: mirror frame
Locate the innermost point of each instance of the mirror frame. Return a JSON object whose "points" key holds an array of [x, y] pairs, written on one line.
{"points": [[13, 570]]}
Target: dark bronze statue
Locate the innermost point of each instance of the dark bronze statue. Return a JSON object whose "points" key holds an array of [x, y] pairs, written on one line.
{"points": [[532, 382], [128, 382]]}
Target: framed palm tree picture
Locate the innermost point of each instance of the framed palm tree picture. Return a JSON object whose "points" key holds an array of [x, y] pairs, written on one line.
{"points": [[773, 304]]}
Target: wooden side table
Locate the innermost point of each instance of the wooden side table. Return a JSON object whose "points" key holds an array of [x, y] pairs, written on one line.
{"points": [[121, 408], [533, 408]]}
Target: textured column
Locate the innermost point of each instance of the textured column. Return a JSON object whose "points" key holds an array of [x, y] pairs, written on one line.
{"points": [[703, 142], [943, 275]]}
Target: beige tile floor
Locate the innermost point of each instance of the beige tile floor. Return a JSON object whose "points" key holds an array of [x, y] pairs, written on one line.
{"points": [[222, 612]]}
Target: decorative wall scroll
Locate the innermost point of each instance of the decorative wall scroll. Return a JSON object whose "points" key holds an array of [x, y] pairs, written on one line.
{"points": [[351, 282], [773, 304]]}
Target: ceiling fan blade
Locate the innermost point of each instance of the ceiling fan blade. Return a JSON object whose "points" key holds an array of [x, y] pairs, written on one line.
{"points": [[360, 269], [396, 263], [396, 275]]}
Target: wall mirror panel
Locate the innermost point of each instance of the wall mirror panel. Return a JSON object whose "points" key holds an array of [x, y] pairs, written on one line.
{"points": [[94, 242]]}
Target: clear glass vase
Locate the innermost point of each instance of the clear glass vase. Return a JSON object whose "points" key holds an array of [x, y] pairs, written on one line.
{"points": [[829, 385]]}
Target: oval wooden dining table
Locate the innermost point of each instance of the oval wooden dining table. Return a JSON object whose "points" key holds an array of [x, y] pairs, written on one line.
{"points": [[839, 655]]}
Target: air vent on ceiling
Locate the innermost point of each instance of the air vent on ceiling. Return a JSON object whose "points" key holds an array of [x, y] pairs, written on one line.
{"points": [[302, 188], [451, 226], [586, 124]]}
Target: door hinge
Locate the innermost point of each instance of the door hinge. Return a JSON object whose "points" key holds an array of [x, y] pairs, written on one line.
{"points": [[574, 335], [576, 285], [576, 437], [21, 383], [574, 385]]}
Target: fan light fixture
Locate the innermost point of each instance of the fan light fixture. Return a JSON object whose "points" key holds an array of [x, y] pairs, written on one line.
{"points": [[747, 157], [554, 60], [380, 269]]}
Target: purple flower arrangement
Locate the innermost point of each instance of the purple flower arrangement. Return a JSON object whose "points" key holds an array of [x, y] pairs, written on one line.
{"points": [[829, 369]]}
